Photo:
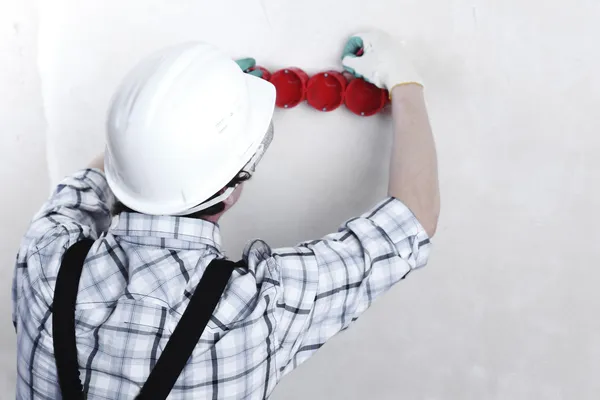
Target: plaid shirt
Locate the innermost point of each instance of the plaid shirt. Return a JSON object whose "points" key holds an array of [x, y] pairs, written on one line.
{"points": [[142, 270]]}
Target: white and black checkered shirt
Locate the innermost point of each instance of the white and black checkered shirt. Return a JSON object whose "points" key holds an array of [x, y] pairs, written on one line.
{"points": [[141, 271]]}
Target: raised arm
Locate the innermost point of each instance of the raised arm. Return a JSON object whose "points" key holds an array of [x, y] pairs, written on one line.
{"points": [[323, 286], [413, 165]]}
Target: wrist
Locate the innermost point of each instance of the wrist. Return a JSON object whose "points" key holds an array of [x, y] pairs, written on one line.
{"points": [[403, 75], [406, 91]]}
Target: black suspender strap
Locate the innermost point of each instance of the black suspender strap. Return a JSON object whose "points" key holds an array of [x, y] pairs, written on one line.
{"points": [[63, 319], [179, 348]]}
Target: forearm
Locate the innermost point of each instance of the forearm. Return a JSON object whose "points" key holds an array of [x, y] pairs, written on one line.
{"points": [[413, 166]]}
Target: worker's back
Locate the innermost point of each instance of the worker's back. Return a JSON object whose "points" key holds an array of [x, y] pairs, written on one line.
{"points": [[141, 271], [135, 285]]}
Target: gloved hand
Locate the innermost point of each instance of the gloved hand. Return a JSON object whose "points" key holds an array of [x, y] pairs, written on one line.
{"points": [[383, 62], [247, 63]]}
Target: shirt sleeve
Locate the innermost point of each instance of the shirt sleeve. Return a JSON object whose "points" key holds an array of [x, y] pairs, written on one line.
{"points": [[82, 200], [327, 284], [78, 208]]}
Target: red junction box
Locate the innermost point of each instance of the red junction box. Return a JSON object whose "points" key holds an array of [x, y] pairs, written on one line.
{"points": [[325, 91], [364, 98], [290, 84]]}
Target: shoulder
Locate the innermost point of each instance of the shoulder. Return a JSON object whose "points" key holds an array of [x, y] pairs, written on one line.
{"points": [[46, 238], [41, 256]]}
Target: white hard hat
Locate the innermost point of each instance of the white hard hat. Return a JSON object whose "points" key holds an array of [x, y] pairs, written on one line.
{"points": [[182, 124]]}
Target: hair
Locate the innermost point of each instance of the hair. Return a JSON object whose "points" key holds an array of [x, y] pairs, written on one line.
{"points": [[218, 208]]}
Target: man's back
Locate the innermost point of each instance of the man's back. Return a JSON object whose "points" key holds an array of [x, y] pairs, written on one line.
{"points": [[140, 274]]}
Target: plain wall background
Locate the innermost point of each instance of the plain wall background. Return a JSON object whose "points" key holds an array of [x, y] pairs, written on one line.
{"points": [[508, 307], [23, 168]]}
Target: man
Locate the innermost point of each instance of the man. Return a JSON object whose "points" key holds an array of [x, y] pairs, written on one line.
{"points": [[185, 129]]}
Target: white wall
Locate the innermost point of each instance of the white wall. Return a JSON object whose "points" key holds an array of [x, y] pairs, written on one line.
{"points": [[23, 173], [508, 307]]}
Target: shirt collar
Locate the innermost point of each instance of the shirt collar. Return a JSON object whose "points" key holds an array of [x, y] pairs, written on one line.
{"points": [[153, 229]]}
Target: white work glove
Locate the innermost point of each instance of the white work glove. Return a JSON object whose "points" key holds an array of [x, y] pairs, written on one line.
{"points": [[383, 62]]}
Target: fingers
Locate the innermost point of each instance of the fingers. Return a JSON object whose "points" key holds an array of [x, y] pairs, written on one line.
{"points": [[257, 72], [246, 63], [353, 46], [351, 64], [371, 39]]}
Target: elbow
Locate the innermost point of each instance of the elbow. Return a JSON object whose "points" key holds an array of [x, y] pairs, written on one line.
{"points": [[430, 223], [431, 228]]}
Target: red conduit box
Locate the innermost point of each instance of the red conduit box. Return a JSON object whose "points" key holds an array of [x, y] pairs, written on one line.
{"points": [[266, 73], [364, 98], [290, 84], [325, 90]]}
